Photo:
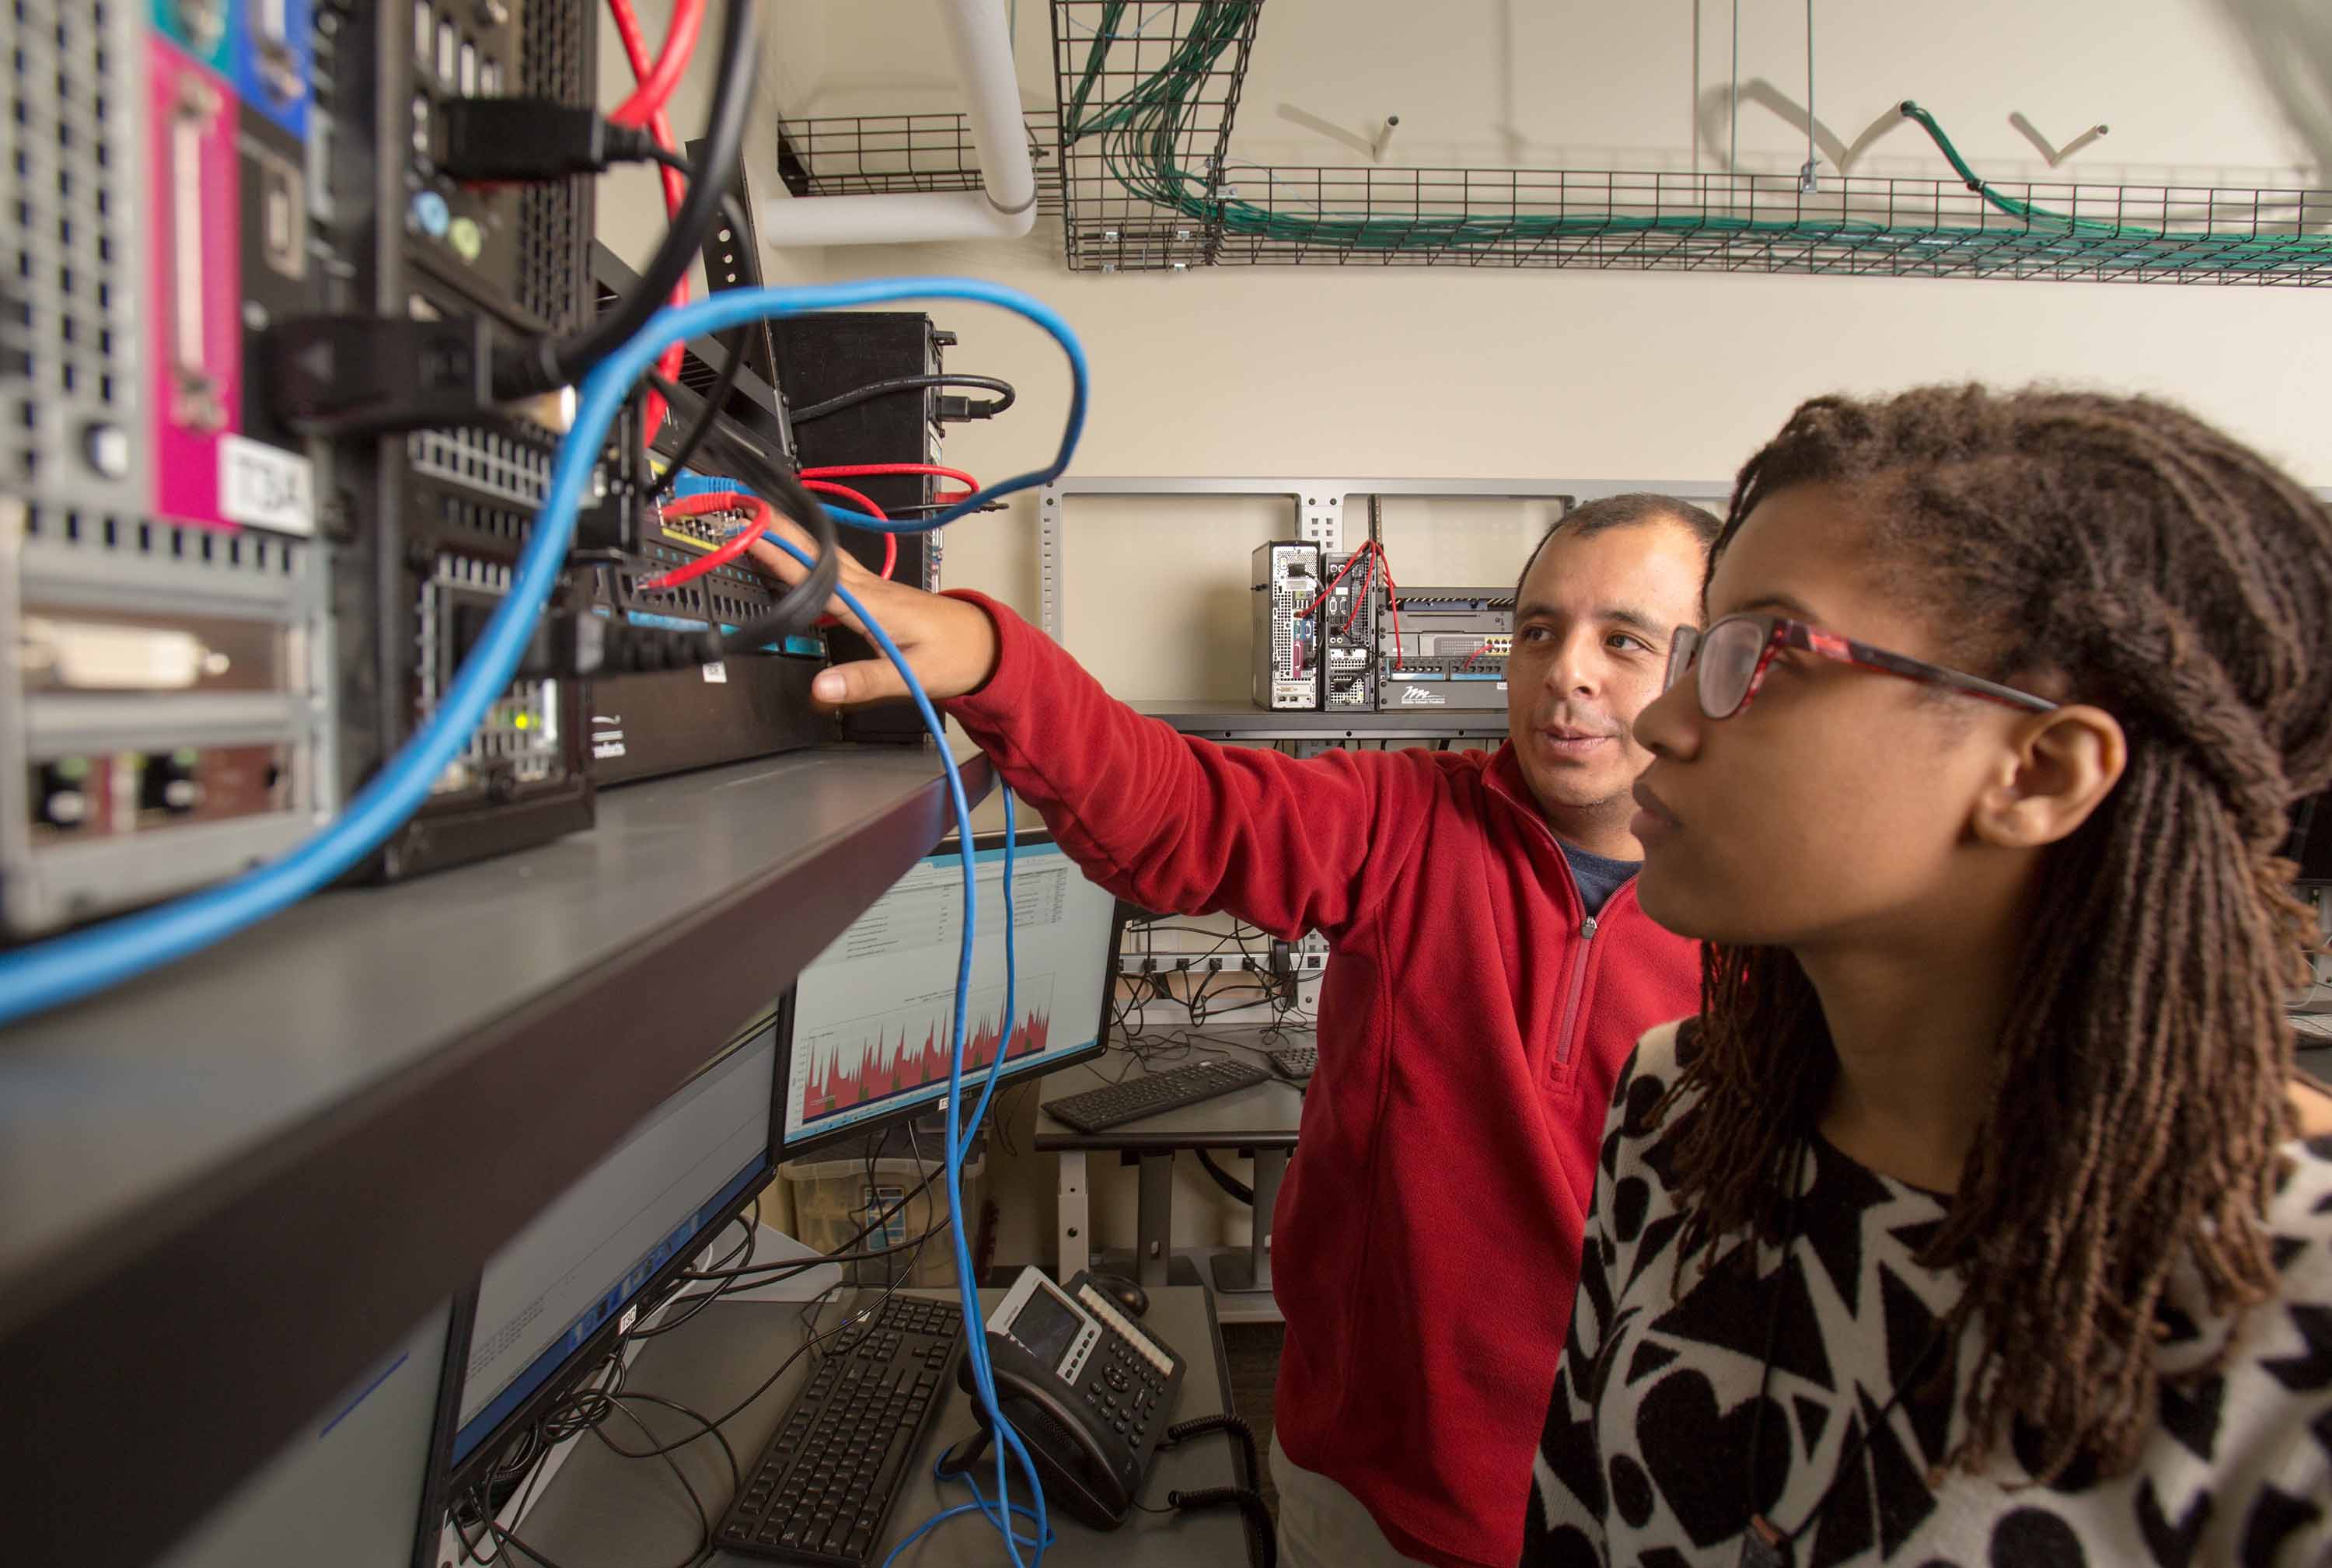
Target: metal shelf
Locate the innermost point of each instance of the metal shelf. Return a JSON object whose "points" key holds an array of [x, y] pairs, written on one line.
{"points": [[1218, 722], [224, 1187]]}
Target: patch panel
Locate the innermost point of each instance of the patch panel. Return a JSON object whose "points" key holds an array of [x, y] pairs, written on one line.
{"points": [[642, 726], [1451, 651]]}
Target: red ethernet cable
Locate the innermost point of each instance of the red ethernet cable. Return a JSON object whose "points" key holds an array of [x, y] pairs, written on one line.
{"points": [[728, 549], [656, 88], [890, 540], [687, 14]]}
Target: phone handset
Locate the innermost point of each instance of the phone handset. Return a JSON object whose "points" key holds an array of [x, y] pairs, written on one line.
{"points": [[1088, 1390]]}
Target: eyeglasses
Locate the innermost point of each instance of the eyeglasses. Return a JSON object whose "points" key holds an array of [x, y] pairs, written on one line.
{"points": [[1732, 656]]}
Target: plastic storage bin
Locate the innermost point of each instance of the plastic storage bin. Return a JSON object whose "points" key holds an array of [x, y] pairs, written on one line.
{"points": [[833, 1197]]}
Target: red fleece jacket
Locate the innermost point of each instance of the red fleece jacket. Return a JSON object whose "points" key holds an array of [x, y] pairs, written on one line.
{"points": [[1472, 1020]]}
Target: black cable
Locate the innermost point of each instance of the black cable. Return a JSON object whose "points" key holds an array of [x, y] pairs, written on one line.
{"points": [[703, 1299], [1226, 1180], [770, 1273], [1237, 1008], [705, 1429], [669, 158], [705, 1546], [873, 389], [853, 1320], [1254, 1516], [781, 488], [717, 401], [864, 1232], [504, 1541], [562, 361]]}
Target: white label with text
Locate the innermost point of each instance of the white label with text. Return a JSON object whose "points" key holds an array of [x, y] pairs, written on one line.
{"points": [[262, 487]]}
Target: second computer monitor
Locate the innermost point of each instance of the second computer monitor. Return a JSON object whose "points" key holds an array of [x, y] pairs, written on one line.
{"points": [[552, 1298], [870, 1022]]}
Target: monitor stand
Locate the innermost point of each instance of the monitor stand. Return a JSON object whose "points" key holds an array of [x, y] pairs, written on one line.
{"points": [[1235, 1274]]}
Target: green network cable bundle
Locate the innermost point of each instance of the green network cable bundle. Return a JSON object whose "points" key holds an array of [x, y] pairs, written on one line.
{"points": [[1141, 136]]}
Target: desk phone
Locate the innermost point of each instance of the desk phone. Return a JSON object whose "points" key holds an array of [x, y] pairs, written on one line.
{"points": [[1087, 1389]]}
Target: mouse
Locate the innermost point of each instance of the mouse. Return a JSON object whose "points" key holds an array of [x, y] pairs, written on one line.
{"points": [[1125, 1292]]}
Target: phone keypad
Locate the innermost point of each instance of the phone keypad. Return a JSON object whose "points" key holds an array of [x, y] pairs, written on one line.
{"points": [[1128, 1391]]}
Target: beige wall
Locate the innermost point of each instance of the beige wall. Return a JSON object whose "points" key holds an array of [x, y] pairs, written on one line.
{"points": [[1445, 372]]}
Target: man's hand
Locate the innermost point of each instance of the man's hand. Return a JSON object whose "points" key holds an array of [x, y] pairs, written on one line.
{"points": [[951, 644]]}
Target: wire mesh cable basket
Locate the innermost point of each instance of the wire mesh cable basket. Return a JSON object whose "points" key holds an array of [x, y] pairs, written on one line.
{"points": [[1148, 93]]}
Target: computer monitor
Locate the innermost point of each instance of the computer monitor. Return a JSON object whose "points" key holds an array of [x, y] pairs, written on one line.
{"points": [[348, 1487], [869, 1025], [549, 1304], [2311, 840]]}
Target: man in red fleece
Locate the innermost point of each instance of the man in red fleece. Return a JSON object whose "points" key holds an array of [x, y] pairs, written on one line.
{"points": [[1490, 971]]}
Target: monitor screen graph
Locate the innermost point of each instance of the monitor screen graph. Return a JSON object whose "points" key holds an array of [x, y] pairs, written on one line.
{"points": [[861, 1061], [873, 1016]]}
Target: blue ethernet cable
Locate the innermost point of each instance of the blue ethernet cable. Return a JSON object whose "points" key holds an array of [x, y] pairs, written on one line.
{"points": [[978, 1505], [1011, 974], [63, 969], [1008, 1441]]}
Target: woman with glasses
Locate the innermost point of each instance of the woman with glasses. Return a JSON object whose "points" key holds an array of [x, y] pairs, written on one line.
{"points": [[1972, 1219]]}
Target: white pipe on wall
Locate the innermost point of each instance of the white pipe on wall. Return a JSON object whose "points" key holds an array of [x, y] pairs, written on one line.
{"points": [[1006, 208]]}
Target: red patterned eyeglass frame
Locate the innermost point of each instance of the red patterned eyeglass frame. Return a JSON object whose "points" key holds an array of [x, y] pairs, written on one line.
{"points": [[1782, 632]]}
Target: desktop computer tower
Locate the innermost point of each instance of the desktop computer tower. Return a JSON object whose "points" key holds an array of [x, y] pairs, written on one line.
{"points": [[1285, 581], [167, 687], [825, 356], [1348, 635], [431, 522]]}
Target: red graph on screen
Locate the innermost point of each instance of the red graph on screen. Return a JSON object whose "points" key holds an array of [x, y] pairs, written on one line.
{"points": [[874, 1067]]}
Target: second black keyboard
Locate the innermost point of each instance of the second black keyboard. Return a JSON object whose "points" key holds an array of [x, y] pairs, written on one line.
{"points": [[821, 1490], [1297, 1061], [1100, 1109]]}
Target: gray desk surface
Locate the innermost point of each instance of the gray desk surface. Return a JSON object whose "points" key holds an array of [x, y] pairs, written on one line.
{"points": [[227, 1186], [1262, 1116], [601, 1511]]}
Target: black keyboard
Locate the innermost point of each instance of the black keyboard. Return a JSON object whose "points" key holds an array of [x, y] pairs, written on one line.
{"points": [[821, 1490], [1295, 1061], [1148, 1097]]}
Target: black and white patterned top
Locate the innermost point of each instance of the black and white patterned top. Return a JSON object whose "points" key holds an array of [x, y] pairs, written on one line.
{"points": [[1645, 1455]]}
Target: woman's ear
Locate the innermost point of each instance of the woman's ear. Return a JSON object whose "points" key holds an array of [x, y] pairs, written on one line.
{"points": [[2054, 770]]}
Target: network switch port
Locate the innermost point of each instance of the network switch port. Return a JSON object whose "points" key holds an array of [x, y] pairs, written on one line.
{"points": [[524, 739], [78, 797]]}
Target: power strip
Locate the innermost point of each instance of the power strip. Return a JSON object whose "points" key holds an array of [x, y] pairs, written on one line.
{"points": [[1182, 963], [1307, 960]]}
